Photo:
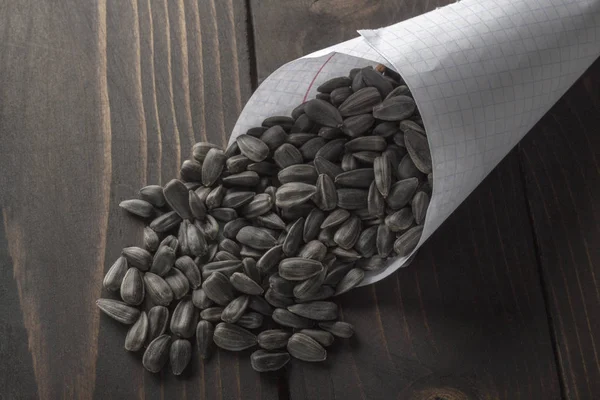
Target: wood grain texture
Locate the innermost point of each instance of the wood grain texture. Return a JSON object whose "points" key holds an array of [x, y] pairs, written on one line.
{"points": [[561, 164]]}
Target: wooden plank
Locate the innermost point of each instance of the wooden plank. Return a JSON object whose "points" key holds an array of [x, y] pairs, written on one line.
{"points": [[467, 319], [98, 99], [560, 162]]}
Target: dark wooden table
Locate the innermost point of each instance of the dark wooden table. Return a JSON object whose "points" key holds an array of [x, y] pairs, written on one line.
{"points": [[99, 98]]}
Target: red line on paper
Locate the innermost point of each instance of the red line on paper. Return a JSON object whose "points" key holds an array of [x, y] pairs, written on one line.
{"points": [[315, 78]]}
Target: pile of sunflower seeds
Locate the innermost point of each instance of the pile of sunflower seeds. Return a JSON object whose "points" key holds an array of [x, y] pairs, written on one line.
{"points": [[265, 233]]}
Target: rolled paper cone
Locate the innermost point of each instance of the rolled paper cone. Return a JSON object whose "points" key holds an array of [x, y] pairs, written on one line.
{"points": [[482, 73]]}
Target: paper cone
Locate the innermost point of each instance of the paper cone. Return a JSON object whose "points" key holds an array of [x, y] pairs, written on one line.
{"points": [[482, 73]]}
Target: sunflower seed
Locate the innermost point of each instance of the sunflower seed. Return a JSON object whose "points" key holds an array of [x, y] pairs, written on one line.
{"points": [[226, 267], [270, 259], [274, 137], [224, 214], [326, 236], [293, 240], [257, 131], [357, 125], [256, 238], [263, 168], [326, 195], [231, 229], [298, 269], [366, 157], [158, 318], [407, 169], [360, 102], [263, 361], [385, 129], [366, 244], [383, 174], [337, 273], [395, 108], [200, 299], [204, 338], [118, 310], [366, 143], [260, 305], [197, 206], [182, 237], [132, 287], [352, 199], [371, 264], [347, 234], [334, 83], [176, 195], [163, 260], [247, 179], [114, 276], [237, 163], [184, 319], [281, 286], [273, 339], [350, 281], [324, 338], [357, 82], [332, 150], [251, 269], [157, 354], [271, 190], [357, 178], [418, 148], [209, 228], [140, 208], [298, 173], [349, 162], [340, 95], [277, 300], [293, 194], [253, 148], [191, 171], [322, 113], [245, 284], [401, 193], [232, 337], [297, 211], [302, 124], [230, 246], [153, 194], [310, 288], [338, 328], [178, 283], [218, 288], [374, 79], [329, 133], [305, 348], [215, 197], [180, 355], [312, 224], [157, 288], [251, 252], [420, 202], [196, 241], [344, 255], [310, 149], [209, 256], [271, 220], [384, 241], [401, 90], [232, 150], [400, 220], [201, 149], [250, 320], [406, 243], [203, 193], [137, 257], [284, 317], [192, 185], [316, 310], [300, 138], [189, 268], [137, 334], [335, 218], [287, 155], [260, 204], [282, 120], [326, 167], [212, 314]]}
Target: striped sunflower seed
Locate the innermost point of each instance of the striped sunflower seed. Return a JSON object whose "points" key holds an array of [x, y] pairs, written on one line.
{"points": [[226, 267], [260, 204], [284, 121], [357, 178], [383, 174], [277, 300], [257, 238], [232, 337], [273, 339], [184, 319], [196, 241], [375, 202], [401, 90], [137, 257], [334, 83], [274, 137], [374, 79], [402, 192], [263, 361], [357, 125], [408, 125], [178, 283], [349, 162], [231, 228], [352, 199], [243, 283], [384, 241], [201, 149], [324, 338], [287, 155], [305, 348], [235, 309], [223, 214], [137, 334], [132, 287], [218, 288], [158, 318], [248, 251], [204, 338], [340, 95], [200, 299], [326, 167], [141, 208], [293, 240], [332, 150], [335, 218], [326, 197], [310, 148], [176, 195], [398, 139], [197, 206], [114, 276], [263, 168], [271, 220], [309, 287], [298, 269], [251, 269], [360, 102], [237, 163], [203, 193], [295, 212], [253, 148], [191, 171], [232, 150], [182, 237], [329, 133], [316, 310], [230, 246], [326, 236], [407, 169], [366, 157], [250, 320], [284, 317], [350, 281], [153, 194], [298, 111], [281, 286], [293, 194], [302, 124], [157, 354], [212, 314], [337, 272], [366, 243], [366, 143], [322, 293], [151, 240], [338, 328], [357, 82], [385, 129], [323, 113], [371, 264], [312, 224], [163, 260], [406, 243], [180, 355], [159, 291], [300, 138], [418, 148], [270, 259], [189, 268], [246, 179], [215, 197], [257, 131], [347, 234], [298, 173], [118, 310], [344, 255], [395, 108], [420, 203]]}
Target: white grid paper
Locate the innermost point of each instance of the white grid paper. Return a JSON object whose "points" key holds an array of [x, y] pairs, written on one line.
{"points": [[482, 73]]}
